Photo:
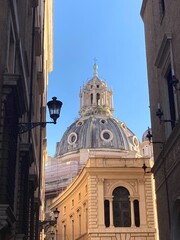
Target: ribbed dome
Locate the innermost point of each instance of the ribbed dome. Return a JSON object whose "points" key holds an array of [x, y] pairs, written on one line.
{"points": [[96, 129], [97, 132]]}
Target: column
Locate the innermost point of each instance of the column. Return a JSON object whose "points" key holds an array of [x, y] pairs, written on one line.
{"points": [[101, 201], [111, 211], [132, 211], [142, 203]]}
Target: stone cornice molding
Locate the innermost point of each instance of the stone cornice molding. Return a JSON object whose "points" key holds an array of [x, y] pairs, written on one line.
{"points": [[143, 7]]}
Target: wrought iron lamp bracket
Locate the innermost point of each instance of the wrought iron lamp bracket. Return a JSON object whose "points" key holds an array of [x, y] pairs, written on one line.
{"points": [[160, 114], [54, 107], [149, 136], [25, 127]]}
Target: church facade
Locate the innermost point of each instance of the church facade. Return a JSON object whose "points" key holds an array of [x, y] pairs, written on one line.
{"points": [[112, 196]]}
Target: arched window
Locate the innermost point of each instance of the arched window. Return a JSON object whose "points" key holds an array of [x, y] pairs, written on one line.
{"points": [[121, 207], [98, 99], [106, 213]]}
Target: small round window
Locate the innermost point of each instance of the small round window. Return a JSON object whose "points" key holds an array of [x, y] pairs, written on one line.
{"points": [[103, 121], [106, 135], [123, 125], [79, 123], [72, 138]]}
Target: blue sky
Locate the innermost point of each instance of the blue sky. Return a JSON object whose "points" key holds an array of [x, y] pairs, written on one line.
{"points": [[112, 32]]}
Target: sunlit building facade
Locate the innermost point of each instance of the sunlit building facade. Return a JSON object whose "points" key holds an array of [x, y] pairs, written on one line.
{"points": [[111, 196]]}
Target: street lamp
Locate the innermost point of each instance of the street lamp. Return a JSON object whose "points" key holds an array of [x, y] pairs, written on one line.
{"points": [[46, 224], [56, 214], [54, 107]]}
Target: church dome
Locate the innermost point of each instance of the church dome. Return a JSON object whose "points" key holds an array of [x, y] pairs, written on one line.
{"points": [[97, 129], [97, 132]]}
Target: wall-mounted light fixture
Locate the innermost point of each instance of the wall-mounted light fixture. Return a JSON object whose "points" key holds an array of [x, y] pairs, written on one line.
{"points": [[46, 224], [174, 81], [160, 114], [149, 137], [54, 107], [144, 167]]}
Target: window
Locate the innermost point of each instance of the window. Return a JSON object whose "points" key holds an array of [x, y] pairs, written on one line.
{"points": [[11, 52], [86, 219], [103, 121], [106, 135], [136, 213], [72, 138], [106, 213], [79, 224], [72, 229], [91, 98], [121, 207], [162, 7], [79, 123], [164, 61], [98, 99], [64, 232], [171, 99]]}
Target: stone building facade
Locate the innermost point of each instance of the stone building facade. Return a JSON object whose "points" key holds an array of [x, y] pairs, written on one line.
{"points": [[25, 60], [162, 34], [111, 197]]}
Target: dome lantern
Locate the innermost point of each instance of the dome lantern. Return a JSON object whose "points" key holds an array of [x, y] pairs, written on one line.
{"points": [[95, 97]]}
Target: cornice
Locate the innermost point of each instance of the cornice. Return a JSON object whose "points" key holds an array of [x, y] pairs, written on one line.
{"points": [[143, 7]]}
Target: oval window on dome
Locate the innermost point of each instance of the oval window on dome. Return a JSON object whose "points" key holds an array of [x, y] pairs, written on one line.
{"points": [[106, 135], [72, 138], [135, 141], [103, 121], [79, 123], [123, 125]]}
